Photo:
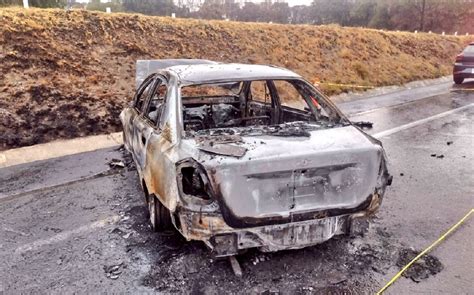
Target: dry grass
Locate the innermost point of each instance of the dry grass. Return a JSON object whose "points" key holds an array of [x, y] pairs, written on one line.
{"points": [[68, 74]]}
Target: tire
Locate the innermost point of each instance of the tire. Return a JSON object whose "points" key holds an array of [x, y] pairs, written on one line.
{"points": [[159, 215], [458, 80]]}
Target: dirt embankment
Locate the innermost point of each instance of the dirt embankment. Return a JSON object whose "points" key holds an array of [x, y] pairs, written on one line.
{"points": [[69, 74]]}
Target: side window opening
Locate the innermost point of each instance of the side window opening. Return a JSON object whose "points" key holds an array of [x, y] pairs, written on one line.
{"points": [[260, 105], [293, 97], [142, 96], [259, 92], [290, 96], [317, 102], [156, 103]]}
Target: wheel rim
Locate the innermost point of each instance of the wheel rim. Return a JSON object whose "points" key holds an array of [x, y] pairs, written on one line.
{"points": [[151, 209]]}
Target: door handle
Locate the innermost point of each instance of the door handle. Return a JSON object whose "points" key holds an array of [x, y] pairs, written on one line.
{"points": [[143, 139]]}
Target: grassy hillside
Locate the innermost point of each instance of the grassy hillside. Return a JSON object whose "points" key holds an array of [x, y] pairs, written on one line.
{"points": [[68, 74]]}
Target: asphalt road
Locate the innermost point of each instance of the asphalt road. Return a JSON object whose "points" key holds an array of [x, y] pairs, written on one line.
{"points": [[75, 225]]}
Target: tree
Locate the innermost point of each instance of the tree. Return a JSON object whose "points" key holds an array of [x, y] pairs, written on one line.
{"points": [[212, 9], [280, 13], [35, 3], [150, 7], [252, 12], [300, 14], [114, 5], [422, 10], [363, 12], [381, 17], [332, 11], [436, 16], [190, 5]]}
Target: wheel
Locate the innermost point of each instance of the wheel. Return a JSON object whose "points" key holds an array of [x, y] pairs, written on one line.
{"points": [[458, 80], [160, 218]]}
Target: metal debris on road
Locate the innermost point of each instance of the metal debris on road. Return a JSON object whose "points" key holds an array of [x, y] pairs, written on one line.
{"points": [[260, 258], [113, 271], [235, 266], [115, 163]]}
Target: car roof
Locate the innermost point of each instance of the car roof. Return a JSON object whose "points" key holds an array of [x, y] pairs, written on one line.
{"points": [[145, 67], [209, 73]]}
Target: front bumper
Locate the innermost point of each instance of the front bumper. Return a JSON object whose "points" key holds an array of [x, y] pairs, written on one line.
{"points": [[224, 240]]}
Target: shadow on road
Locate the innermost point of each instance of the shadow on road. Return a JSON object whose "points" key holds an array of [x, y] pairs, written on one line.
{"points": [[467, 85]]}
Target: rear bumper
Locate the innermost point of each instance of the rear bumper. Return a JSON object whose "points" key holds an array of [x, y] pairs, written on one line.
{"points": [[226, 241], [463, 71]]}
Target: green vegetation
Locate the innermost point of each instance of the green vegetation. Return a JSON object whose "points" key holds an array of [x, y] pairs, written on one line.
{"points": [[35, 3], [407, 15]]}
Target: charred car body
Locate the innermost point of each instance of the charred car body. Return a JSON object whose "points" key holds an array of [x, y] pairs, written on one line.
{"points": [[248, 156]]}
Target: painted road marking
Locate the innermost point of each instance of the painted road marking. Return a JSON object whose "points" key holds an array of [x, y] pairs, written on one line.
{"points": [[59, 148], [461, 89], [66, 234], [376, 109], [419, 122], [6, 198]]}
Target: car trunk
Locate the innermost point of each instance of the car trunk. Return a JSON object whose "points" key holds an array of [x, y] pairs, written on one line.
{"points": [[278, 178]]}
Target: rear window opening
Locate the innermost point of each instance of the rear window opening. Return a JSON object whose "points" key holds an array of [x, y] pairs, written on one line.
{"points": [[244, 104]]}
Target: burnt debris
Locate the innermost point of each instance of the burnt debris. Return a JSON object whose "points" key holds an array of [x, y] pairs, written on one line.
{"points": [[426, 266], [364, 124], [221, 135]]}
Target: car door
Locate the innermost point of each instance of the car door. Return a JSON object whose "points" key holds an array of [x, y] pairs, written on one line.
{"points": [[146, 123], [129, 114]]}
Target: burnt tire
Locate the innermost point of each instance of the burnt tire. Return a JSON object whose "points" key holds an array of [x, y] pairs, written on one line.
{"points": [[458, 80], [159, 215]]}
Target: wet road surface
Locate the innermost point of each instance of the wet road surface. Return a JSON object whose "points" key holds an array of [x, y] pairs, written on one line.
{"points": [[73, 224]]}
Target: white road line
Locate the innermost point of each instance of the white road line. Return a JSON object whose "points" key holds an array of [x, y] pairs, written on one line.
{"points": [[6, 198], [419, 122], [457, 135], [66, 234], [59, 148]]}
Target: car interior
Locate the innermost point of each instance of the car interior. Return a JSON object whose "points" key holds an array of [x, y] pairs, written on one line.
{"points": [[250, 103]]}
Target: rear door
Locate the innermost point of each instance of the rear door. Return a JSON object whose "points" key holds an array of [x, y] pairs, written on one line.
{"points": [[138, 138], [130, 113], [146, 123]]}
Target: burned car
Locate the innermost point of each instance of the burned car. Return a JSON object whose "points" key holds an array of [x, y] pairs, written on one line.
{"points": [[248, 156]]}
